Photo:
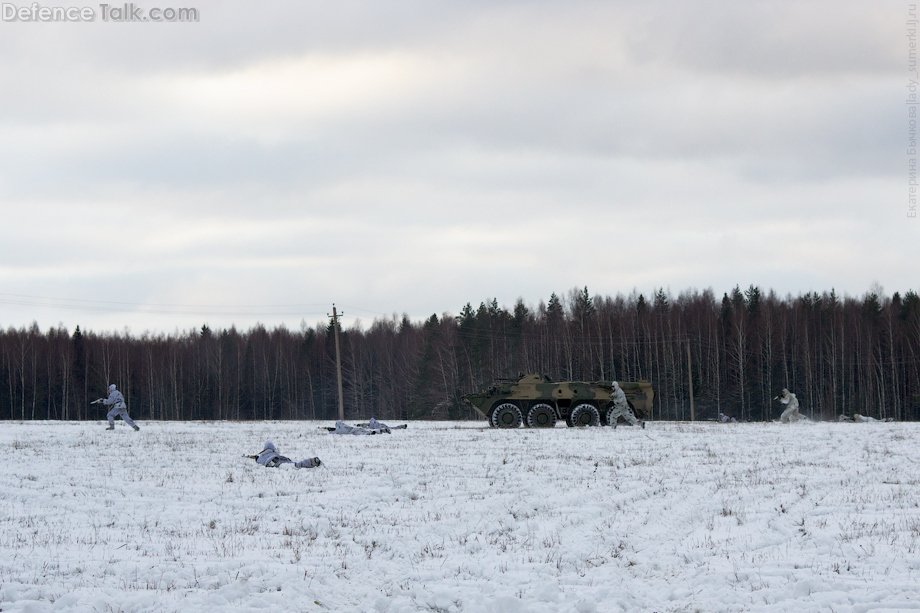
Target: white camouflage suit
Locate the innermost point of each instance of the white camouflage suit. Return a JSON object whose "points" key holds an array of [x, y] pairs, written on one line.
{"points": [[620, 407], [791, 414], [342, 428], [270, 458], [119, 408]]}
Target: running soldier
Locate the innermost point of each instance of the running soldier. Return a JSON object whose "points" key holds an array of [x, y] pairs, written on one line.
{"points": [[621, 408], [119, 409], [791, 414]]}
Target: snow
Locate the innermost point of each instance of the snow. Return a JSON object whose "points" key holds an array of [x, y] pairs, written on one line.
{"points": [[447, 517]]}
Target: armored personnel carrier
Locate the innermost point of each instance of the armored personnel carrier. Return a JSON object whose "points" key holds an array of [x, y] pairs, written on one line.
{"points": [[538, 402]]}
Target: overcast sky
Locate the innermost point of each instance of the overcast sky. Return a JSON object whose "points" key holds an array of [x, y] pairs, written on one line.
{"points": [[409, 157]]}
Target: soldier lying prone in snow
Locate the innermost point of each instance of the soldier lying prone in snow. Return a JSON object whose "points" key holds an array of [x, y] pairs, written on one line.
{"points": [[270, 458], [374, 427], [373, 424]]}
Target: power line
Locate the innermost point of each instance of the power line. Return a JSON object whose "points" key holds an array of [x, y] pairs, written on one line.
{"points": [[143, 304], [112, 306]]}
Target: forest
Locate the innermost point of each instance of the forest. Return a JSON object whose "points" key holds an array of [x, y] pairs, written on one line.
{"points": [[839, 355]]}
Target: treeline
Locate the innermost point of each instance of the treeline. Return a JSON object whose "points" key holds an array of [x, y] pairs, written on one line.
{"points": [[839, 355]]}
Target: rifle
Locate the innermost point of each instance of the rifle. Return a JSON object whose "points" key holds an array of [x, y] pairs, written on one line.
{"points": [[97, 400]]}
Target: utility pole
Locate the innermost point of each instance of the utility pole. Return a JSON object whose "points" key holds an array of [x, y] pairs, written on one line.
{"points": [[338, 361], [690, 380]]}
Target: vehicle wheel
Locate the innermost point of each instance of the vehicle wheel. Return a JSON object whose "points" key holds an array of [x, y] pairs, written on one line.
{"points": [[541, 416], [507, 415], [585, 415]]}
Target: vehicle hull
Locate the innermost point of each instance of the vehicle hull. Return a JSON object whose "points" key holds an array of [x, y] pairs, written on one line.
{"points": [[534, 392]]}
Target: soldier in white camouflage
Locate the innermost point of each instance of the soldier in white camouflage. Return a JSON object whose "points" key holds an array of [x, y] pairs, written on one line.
{"points": [[791, 414], [621, 408], [119, 409], [270, 458]]}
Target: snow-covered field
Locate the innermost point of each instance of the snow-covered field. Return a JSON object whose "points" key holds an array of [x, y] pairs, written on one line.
{"points": [[459, 517]]}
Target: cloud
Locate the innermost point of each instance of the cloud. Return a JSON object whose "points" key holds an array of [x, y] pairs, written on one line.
{"points": [[415, 156]]}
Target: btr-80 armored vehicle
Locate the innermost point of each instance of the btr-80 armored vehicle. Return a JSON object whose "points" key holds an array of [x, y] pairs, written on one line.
{"points": [[537, 401]]}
